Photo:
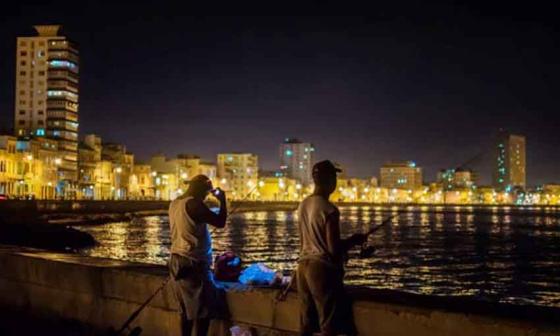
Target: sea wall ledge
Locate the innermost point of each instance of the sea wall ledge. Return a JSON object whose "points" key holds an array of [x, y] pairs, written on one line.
{"points": [[103, 292]]}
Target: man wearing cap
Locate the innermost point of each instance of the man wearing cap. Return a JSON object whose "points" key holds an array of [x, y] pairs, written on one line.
{"points": [[324, 305], [200, 300]]}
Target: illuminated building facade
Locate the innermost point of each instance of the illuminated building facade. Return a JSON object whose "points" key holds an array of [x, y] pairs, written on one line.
{"points": [[89, 156], [141, 182], [275, 188], [238, 173], [509, 170], [401, 175], [297, 159], [171, 175], [208, 169], [96, 172], [122, 162], [450, 179], [8, 165], [28, 167], [354, 190], [46, 103], [40, 167]]}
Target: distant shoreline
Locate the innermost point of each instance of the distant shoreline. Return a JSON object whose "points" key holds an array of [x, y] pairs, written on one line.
{"points": [[100, 212]]}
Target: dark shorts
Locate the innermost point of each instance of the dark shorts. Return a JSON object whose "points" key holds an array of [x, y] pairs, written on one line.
{"points": [[324, 304], [194, 287]]}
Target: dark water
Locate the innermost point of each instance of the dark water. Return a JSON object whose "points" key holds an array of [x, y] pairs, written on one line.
{"points": [[499, 254]]}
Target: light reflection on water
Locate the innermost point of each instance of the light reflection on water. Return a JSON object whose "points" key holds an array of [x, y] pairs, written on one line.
{"points": [[497, 256]]}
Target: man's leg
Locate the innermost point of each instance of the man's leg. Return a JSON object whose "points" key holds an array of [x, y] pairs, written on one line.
{"points": [[326, 288], [186, 325], [200, 327], [182, 288], [308, 313]]}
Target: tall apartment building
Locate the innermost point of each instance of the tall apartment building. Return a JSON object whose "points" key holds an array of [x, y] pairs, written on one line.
{"points": [[509, 168], [238, 173], [46, 95], [297, 159], [401, 175]]}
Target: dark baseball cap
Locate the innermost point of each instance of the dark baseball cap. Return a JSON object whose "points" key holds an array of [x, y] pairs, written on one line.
{"points": [[201, 182], [325, 167]]}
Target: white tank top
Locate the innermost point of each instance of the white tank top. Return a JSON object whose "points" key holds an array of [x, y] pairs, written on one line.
{"points": [[312, 218], [188, 239]]}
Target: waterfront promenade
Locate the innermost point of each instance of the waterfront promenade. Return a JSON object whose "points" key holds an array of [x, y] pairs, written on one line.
{"points": [[101, 293]]}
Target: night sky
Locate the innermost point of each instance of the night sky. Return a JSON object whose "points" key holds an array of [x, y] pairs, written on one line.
{"points": [[429, 83]]}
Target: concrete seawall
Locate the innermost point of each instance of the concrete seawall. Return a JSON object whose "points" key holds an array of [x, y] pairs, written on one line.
{"points": [[102, 293]]}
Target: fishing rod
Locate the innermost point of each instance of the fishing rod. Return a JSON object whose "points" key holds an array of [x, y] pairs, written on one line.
{"points": [[367, 250], [137, 330]]}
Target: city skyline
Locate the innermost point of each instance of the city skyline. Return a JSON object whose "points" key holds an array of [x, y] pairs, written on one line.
{"points": [[359, 108]]}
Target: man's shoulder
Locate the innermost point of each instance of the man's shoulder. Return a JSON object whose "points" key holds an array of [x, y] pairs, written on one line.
{"points": [[319, 202], [193, 204]]}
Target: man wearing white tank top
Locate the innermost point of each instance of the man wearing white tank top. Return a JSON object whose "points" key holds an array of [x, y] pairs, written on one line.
{"points": [[200, 300], [324, 305]]}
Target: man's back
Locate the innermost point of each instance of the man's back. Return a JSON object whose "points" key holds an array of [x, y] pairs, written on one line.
{"points": [[313, 213], [188, 238]]}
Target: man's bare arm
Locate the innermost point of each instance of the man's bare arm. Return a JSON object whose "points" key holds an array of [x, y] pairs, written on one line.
{"points": [[333, 236], [200, 213], [339, 247]]}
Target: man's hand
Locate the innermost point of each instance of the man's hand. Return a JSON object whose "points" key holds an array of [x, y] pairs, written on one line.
{"points": [[220, 195]]}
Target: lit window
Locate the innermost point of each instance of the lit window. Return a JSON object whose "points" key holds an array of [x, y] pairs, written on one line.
{"points": [[61, 93], [40, 132], [63, 64]]}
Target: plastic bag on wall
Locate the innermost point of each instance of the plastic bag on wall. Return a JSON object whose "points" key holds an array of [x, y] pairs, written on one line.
{"points": [[240, 331], [257, 274]]}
